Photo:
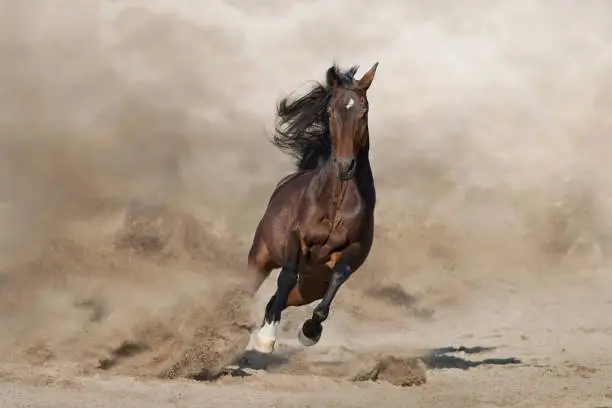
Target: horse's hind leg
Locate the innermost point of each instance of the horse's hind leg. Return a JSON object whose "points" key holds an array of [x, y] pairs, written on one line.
{"points": [[259, 267], [259, 264], [265, 338]]}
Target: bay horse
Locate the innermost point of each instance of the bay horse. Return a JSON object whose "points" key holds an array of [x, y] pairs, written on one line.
{"points": [[318, 226]]}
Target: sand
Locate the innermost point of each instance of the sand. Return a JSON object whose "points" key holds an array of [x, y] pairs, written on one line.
{"points": [[135, 166]]}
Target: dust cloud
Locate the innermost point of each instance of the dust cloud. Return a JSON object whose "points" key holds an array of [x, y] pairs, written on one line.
{"points": [[135, 161]]}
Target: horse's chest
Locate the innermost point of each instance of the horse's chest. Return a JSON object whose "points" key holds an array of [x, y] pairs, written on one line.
{"points": [[347, 220], [338, 231]]}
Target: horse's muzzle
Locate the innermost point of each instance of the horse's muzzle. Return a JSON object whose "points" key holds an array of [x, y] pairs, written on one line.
{"points": [[345, 167]]}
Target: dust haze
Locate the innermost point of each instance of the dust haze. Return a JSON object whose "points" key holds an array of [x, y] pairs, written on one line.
{"points": [[136, 161]]}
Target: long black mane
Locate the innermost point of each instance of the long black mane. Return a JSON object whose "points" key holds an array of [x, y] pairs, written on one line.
{"points": [[302, 128]]}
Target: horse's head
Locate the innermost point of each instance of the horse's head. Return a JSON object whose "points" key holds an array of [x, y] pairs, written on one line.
{"points": [[348, 119]]}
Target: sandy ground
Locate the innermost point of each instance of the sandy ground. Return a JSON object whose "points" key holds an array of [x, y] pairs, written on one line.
{"points": [[552, 348], [134, 168]]}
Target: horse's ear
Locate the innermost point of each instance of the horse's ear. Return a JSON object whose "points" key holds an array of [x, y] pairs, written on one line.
{"points": [[367, 78], [331, 77]]}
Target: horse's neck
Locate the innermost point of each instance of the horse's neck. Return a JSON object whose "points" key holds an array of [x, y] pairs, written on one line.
{"points": [[365, 178]]}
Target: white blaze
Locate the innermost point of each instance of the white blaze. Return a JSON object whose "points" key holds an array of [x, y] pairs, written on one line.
{"points": [[350, 104]]}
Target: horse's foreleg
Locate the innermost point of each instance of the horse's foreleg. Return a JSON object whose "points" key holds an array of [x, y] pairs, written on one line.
{"points": [[265, 337], [341, 271]]}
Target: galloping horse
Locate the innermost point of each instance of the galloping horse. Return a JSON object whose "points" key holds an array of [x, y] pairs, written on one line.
{"points": [[319, 223]]}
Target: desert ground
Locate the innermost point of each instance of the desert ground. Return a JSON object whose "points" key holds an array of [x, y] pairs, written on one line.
{"points": [[136, 163]]}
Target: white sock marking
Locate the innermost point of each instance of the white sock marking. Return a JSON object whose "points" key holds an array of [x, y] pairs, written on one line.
{"points": [[268, 331]]}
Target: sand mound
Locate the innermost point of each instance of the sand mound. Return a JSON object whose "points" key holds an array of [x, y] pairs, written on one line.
{"points": [[346, 364], [400, 371]]}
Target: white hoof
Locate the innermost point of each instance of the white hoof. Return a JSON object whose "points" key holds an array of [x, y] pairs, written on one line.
{"points": [[305, 341], [264, 339], [264, 346]]}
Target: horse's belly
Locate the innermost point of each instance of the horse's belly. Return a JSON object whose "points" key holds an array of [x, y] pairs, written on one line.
{"points": [[318, 272]]}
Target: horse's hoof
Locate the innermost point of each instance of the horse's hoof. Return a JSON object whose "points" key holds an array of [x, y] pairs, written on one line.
{"points": [[310, 333], [305, 341], [264, 346]]}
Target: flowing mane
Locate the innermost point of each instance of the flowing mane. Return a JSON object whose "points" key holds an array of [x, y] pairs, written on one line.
{"points": [[302, 128]]}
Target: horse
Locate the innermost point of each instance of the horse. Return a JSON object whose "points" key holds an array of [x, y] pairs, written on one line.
{"points": [[318, 227]]}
